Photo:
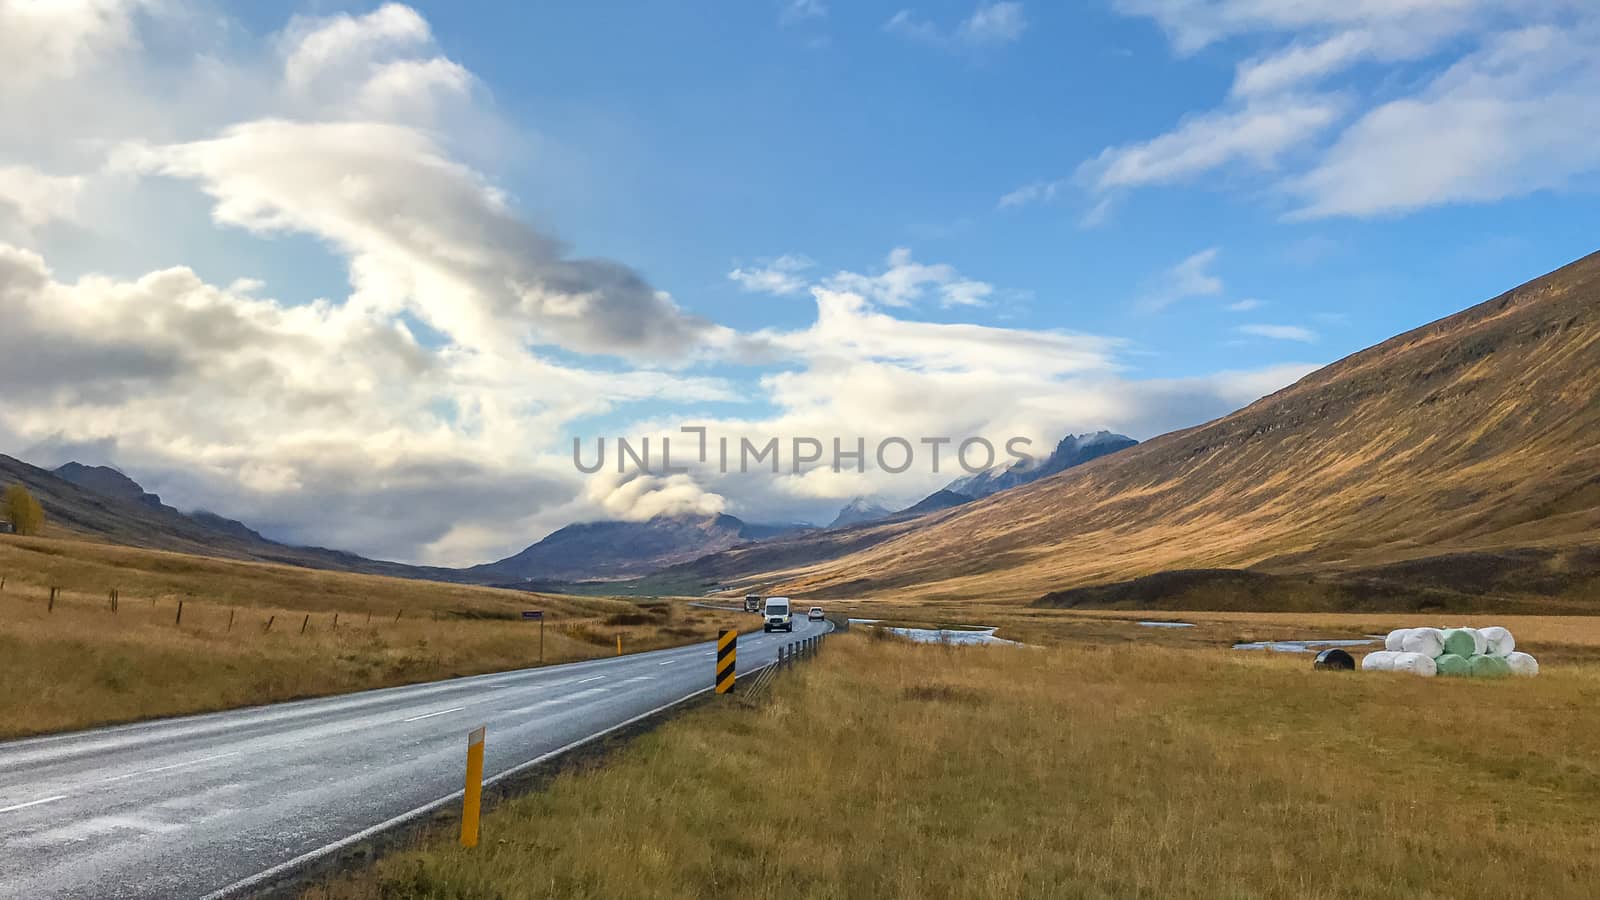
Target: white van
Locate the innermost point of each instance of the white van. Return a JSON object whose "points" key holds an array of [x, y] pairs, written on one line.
{"points": [[776, 617]]}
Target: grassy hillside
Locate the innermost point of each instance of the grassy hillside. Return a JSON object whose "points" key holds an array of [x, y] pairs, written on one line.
{"points": [[1089, 770], [75, 511], [1473, 435], [256, 632]]}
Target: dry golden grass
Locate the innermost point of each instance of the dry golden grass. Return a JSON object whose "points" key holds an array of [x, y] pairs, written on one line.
{"points": [[891, 770], [80, 664], [1557, 637], [1474, 433]]}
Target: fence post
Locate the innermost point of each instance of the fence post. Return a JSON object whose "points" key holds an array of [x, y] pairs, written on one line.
{"points": [[335, 621], [52, 606], [231, 612], [397, 615], [472, 798], [179, 619], [727, 659], [305, 623], [269, 624]]}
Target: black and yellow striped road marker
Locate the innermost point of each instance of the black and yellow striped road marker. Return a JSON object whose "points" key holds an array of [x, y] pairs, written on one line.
{"points": [[727, 652]]}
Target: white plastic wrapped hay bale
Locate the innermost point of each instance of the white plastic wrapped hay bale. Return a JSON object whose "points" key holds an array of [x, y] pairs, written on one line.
{"points": [[1378, 661], [1428, 642], [1414, 663], [1498, 641], [1522, 664], [1394, 642]]}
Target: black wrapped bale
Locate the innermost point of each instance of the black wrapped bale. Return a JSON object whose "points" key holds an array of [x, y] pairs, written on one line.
{"points": [[1336, 660]]}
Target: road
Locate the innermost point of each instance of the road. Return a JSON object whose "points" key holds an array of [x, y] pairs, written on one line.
{"points": [[211, 805]]}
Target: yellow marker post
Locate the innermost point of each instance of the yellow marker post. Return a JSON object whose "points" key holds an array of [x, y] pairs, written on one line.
{"points": [[727, 659], [471, 801], [619, 645]]}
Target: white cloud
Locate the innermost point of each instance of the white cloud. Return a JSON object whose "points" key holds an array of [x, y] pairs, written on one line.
{"points": [[993, 23], [1037, 192], [1194, 24], [1190, 278], [906, 281], [46, 41], [1259, 133], [783, 276], [1297, 64], [1313, 111], [1281, 332], [30, 198], [1244, 305], [990, 25], [1501, 122], [426, 233], [797, 11], [639, 496], [314, 421], [417, 414]]}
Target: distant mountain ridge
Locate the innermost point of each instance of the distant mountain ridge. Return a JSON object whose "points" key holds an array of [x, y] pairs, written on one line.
{"points": [[860, 510], [610, 550], [108, 482], [102, 502], [1072, 450]]}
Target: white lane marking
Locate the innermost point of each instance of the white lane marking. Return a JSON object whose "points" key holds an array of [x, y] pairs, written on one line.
{"points": [[587, 680], [192, 762], [591, 692], [432, 714], [33, 803], [667, 663], [638, 678], [268, 874], [556, 701]]}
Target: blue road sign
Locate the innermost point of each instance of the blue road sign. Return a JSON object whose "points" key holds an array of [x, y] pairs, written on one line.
{"points": [[533, 614]]}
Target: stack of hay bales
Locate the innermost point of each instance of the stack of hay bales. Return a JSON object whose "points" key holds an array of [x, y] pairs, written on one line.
{"points": [[1466, 652]]}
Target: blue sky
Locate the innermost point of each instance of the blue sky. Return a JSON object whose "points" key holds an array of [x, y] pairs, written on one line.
{"points": [[402, 255]]}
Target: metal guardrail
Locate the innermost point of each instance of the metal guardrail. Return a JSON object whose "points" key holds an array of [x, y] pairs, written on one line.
{"points": [[788, 654]]}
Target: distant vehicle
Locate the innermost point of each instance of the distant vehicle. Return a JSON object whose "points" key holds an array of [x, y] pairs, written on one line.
{"points": [[815, 614], [752, 603], [776, 617]]}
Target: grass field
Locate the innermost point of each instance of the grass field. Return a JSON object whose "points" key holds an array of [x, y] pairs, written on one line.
{"points": [[884, 769], [1559, 637], [81, 664]]}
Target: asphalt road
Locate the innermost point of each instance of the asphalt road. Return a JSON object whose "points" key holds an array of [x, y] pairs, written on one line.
{"points": [[211, 805]]}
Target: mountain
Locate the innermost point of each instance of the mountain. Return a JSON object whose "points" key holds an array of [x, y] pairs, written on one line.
{"points": [[940, 499], [1469, 442], [612, 550], [107, 482], [1073, 450], [858, 511], [102, 503]]}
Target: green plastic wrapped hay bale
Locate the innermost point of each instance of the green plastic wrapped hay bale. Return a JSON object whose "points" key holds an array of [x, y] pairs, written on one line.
{"points": [[1463, 642], [1484, 666], [1452, 665]]}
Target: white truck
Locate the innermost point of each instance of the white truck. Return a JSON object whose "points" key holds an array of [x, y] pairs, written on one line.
{"points": [[776, 616]]}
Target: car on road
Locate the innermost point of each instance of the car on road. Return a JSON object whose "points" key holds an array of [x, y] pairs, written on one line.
{"points": [[815, 614], [752, 603], [776, 616]]}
